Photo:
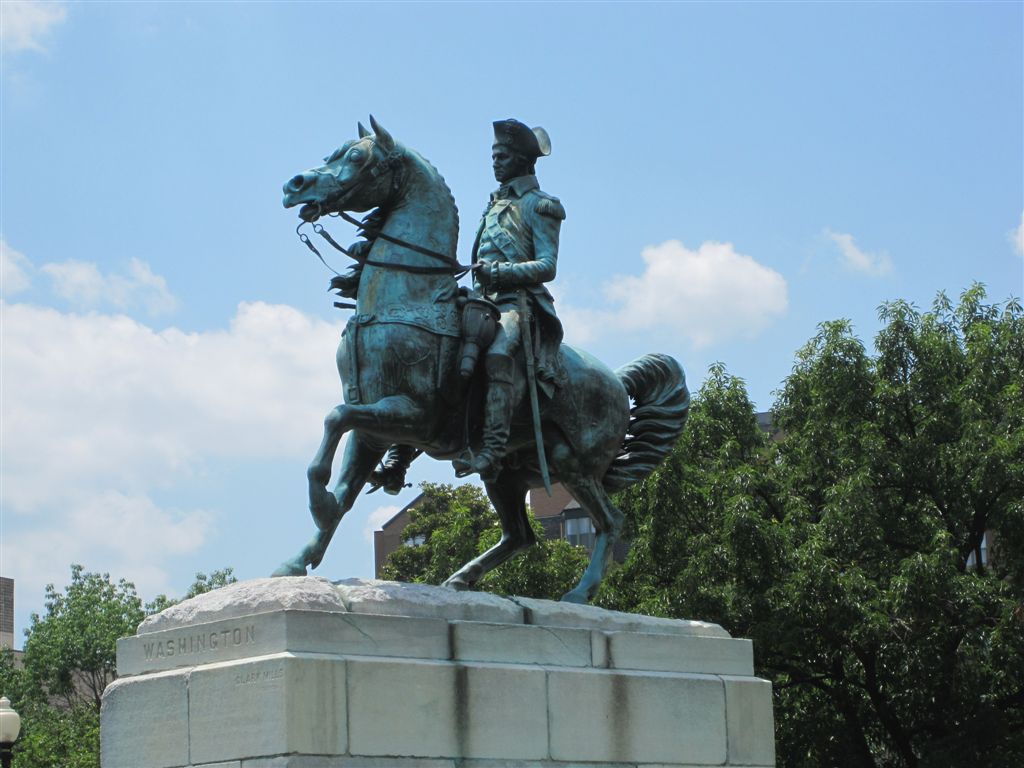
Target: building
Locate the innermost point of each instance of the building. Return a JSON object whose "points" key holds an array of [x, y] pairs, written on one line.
{"points": [[392, 535], [6, 612], [563, 518], [7, 620]]}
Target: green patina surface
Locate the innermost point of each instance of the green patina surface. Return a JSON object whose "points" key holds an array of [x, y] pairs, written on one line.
{"points": [[531, 411]]}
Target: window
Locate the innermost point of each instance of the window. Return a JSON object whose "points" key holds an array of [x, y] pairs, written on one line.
{"points": [[580, 531], [415, 541]]}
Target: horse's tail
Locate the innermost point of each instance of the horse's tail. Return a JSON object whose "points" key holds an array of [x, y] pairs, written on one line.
{"points": [[657, 385]]}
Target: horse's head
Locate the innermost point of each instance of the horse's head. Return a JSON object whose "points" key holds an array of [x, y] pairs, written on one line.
{"points": [[361, 174]]}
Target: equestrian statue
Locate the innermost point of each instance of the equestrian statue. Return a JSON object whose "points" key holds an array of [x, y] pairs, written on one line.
{"points": [[479, 377]]}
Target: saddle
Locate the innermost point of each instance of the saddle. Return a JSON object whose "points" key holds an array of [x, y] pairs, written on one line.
{"points": [[479, 318]]}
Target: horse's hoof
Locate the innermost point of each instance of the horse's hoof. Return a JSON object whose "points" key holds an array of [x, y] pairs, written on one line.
{"points": [[289, 569], [575, 596]]}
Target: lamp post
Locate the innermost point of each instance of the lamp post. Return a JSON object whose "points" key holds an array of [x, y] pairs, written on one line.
{"points": [[10, 726]]}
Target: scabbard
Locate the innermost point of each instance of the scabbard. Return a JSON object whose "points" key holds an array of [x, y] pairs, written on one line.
{"points": [[526, 332]]}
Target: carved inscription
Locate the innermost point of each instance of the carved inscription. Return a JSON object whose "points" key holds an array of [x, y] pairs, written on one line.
{"points": [[258, 675], [205, 642]]}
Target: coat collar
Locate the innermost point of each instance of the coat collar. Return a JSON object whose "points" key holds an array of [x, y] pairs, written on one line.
{"points": [[517, 187]]}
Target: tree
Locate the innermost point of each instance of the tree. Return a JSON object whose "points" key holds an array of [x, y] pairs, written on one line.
{"points": [[71, 652], [713, 502], [70, 658], [50, 736], [898, 465], [849, 547], [454, 524]]}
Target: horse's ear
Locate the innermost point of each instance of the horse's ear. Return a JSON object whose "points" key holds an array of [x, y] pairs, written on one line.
{"points": [[384, 140], [363, 133]]}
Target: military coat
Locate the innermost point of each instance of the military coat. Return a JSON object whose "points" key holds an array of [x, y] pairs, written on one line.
{"points": [[518, 241]]}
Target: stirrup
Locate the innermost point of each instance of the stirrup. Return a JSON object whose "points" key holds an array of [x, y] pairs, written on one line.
{"points": [[463, 465], [481, 463]]}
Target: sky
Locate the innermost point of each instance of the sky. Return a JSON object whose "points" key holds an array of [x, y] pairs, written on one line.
{"points": [[734, 174]]}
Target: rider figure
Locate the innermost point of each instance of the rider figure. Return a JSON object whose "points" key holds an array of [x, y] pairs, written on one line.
{"points": [[517, 250]]}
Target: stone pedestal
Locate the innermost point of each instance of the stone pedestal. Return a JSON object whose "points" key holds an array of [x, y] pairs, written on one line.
{"points": [[303, 673]]}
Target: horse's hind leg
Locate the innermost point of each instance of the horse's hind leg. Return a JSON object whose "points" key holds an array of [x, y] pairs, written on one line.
{"points": [[608, 522], [508, 495], [328, 508]]}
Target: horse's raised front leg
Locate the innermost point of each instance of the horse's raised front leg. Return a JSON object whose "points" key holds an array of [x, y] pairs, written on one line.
{"points": [[608, 522], [508, 495], [356, 466], [322, 504], [328, 507]]}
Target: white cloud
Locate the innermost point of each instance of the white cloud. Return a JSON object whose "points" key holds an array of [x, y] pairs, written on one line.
{"points": [[128, 534], [100, 412], [82, 284], [14, 268], [110, 402], [853, 258], [1017, 236], [25, 23], [376, 520], [708, 295]]}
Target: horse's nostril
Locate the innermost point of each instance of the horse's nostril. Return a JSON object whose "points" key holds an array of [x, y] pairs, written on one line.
{"points": [[296, 183]]}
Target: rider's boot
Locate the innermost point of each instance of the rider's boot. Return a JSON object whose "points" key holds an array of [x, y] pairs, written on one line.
{"points": [[497, 419], [390, 475]]}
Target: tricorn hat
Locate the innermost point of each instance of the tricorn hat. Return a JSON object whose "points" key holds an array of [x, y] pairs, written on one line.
{"points": [[532, 142]]}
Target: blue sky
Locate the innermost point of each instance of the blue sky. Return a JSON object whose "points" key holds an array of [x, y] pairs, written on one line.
{"points": [[734, 174]]}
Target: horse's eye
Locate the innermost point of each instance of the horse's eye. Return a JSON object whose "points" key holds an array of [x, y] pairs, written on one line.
{"points": [[355, 156]]}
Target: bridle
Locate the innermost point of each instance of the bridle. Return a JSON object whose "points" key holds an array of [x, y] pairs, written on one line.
{"points": [[394, 163]]}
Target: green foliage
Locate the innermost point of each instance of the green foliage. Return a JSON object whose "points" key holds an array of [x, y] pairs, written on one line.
{"points": [[712, 503], [454, 524], [70, 653], [217, 579], [70, 656], [902, 462], [50, 735], [446, 528], [844, 545], [547, 570]]}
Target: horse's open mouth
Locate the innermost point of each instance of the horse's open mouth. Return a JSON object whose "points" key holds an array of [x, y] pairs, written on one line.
{"points": [[310, 212]]}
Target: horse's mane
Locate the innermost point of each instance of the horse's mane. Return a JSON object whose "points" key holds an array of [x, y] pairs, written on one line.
{"points": [[429, 166]]}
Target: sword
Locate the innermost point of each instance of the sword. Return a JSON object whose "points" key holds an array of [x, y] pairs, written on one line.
{"points": [[531, 385]]}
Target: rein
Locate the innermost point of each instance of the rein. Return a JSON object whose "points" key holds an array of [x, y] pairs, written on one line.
{"points": [[403, 243], [453, 268]]}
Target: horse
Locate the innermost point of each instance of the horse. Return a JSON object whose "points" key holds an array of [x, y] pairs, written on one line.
{"points": [[397, 359]]}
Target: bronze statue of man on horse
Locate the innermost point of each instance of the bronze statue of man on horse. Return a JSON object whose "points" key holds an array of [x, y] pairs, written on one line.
{"points": [[411, 345], [514, 253]]}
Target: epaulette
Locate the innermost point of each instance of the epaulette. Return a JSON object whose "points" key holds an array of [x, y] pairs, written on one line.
{"points": [[550, 206]]}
